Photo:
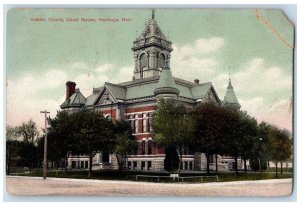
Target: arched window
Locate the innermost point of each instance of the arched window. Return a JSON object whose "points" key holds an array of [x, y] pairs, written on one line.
{"points": [[105, 156], [161, 60], [150, 147], [136, 123], [143, 147], [144, 122], [144, 61]]}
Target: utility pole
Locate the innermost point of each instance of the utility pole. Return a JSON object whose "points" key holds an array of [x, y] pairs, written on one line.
{"points": [[45, 146]]}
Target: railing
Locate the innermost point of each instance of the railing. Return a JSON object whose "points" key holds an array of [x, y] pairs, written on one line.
{"points": [[150, 176], [216, 177], [201, 178]]}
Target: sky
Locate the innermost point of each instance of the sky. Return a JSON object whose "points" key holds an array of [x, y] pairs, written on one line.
{"points": [[42, 56]]}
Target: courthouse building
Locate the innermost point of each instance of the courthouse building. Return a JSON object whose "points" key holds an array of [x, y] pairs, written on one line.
{"points": [[136, 100]]}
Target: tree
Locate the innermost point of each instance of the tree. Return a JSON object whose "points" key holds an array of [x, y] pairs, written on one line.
{"points": [[83, 132], [248, 127], [53, 150], [281, 146], [172, 127], [287, 147], [209, 122], [93, 133], [125, 142], [29, 133], [12, 135], [233, 131], [61, 137], [261, 149]]}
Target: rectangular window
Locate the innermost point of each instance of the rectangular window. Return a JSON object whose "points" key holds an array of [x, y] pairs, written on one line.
{"points": [[105, 156], [73, 164], [134, 165], [86, 164], [82, 164], [135, 151], [150, 147], [149, 165], [191, 165], [131, 122], [144, 123], [143, 165], [132, 125], [136, 123], [143, 147], [186, 165], [149, 121], [129, 165]]}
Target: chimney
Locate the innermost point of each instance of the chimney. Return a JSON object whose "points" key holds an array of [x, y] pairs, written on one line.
{"points": [[70, 89], [196, 81]]}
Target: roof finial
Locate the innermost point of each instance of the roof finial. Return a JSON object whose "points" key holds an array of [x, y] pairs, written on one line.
{"points": [[229, 73], [153, 14]]}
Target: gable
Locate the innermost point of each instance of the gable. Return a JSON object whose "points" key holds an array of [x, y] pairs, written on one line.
{"points": [[212, 95], [105, 98]]}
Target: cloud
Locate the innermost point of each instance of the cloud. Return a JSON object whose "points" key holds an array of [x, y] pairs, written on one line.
{"points": [[264, 91], [200, 46], [276, 113], [122, 74], [257, 76], [28, 95], [104, 68], [209, 45], [103, 73], [86, 82], [79, 66], [196, 60]]}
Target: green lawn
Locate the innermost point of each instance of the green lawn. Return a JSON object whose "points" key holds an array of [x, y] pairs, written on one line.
{"points": [[131, 176], [283, 169]]}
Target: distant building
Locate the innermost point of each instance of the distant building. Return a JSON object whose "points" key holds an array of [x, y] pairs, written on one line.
{"points": [[136, 100]]}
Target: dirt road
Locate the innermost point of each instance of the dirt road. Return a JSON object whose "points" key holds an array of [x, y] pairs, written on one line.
{"points": [[67, 187]]}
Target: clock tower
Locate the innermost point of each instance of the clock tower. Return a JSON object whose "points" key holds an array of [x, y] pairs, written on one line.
{"points": [[152, 51]]}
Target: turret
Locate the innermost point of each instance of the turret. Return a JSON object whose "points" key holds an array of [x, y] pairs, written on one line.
{"points": [[166, 87], [230, 99]]}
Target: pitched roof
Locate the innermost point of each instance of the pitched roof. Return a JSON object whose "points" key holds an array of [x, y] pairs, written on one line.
{"points": [[152, 29], [200, 91], [75, 100], [118, 91], [142, 90], [230, 97], [152, 35], [90, 100], [146, 87]]}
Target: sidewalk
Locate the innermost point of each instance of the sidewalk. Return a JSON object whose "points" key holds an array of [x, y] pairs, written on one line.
{"points": [[17, 185]]}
